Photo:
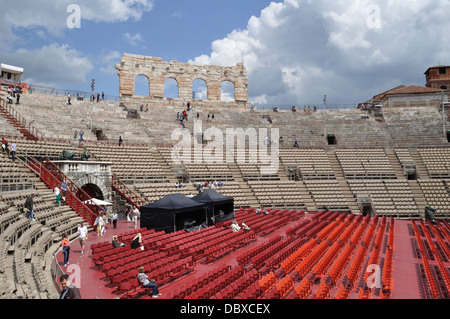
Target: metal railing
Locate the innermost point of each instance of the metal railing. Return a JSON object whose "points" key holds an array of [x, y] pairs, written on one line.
{"points": [[52, 176], [303, 108], [127, 193], [21, 120], [73, 93]]}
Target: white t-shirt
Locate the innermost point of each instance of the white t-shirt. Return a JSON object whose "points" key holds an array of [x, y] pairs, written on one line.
{"points": [[82, 231], [56, 191]]}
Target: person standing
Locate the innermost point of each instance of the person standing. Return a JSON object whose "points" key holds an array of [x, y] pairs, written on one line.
{"points": [[120, 141], [136, 215], [58, 195], [81, 135], [66, 249], [83, 235], [13, 151], [68, 99], [63, 191], [114, 219], [29, 206], [68, 291]]}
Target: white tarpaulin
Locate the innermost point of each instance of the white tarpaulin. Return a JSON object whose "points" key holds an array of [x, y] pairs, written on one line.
{"points": [[11, 68], [95, 201]]}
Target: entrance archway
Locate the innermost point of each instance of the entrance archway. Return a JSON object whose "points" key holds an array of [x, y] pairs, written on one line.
{"points": [[93, 191]]}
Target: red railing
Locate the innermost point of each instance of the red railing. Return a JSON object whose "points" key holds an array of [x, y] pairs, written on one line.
{"points": [[127, 193], [52, 176], [20, 119]]}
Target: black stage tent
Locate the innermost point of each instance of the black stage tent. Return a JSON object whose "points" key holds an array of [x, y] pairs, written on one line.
{"points": [[219, 207], [172, 213]]}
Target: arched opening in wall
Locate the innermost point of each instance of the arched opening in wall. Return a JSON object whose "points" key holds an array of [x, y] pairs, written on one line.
{"points": [[443, 87], [141, 86], [227, 91], [171, 88], [200, 89], [93, 191]]}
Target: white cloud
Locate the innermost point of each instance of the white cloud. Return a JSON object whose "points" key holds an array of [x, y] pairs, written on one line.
{"points": [[296, 51], [51, 16], [133, 39], [51, 65], [108, 61]]}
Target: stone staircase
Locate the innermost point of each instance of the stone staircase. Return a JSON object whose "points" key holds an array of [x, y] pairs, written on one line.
{"points": [[421, 169], [348, 194], [395, 164], [417, 193], [308, 200], [246, 190]]}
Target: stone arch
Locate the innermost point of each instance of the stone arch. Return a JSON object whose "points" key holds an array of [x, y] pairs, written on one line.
{"points": [[141, 85], [171, 87], [93, 180], [200, 87], [444, 87], [227, 90]]}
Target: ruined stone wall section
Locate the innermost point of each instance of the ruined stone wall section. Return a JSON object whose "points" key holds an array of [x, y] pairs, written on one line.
{"points": [[157, 71]]}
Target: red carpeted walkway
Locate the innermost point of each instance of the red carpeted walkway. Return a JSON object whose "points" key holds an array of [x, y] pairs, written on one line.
{"points": [[407, 279]]}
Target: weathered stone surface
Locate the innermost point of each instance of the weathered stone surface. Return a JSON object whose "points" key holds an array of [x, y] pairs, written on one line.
{"points": [[157, 71]]}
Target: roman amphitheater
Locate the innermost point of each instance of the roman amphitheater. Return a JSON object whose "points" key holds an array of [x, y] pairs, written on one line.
{"points": [[345, 206]]}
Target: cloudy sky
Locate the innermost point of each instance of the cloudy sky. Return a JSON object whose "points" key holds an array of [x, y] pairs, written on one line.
{"points": [[296, 51]]}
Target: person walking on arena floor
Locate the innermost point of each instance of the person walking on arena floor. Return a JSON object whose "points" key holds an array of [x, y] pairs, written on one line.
{"points": [[135, 215], [66, 249], [68, 290], [83, 236], [99, 223], [114, 218], [148, 283]]}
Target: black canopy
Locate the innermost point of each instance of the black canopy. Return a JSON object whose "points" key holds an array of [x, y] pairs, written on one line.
{"points": [[219, 207], [173, 212]]}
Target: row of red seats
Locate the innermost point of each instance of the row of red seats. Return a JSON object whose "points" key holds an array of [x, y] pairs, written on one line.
{"points": [[236, 288], [228, 244], [437, 233], [443, 270], [357, 227], [387, 267], [260, 259], [273, 262], [206, 292], [355, 266], [281, 289], [304, 288], [128, 256], [99, 250], [172, 244], [183, 290], [150, 262], [244, 258], [428, 273], [310, 260], [376, 246], [323, 291], [290, 262]]}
